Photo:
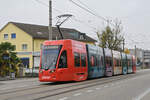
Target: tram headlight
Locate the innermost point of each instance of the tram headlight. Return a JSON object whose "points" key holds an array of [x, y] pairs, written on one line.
{"points": [[41, 71], [52, 71]]}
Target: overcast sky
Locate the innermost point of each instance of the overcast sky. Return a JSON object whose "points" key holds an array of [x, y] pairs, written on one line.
{"points": [[134, 15]]}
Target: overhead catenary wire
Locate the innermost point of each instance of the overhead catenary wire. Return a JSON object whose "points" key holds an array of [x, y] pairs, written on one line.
{"points": [[47, 5], [73, 18], [87, 9], [82, 22], [86, 6]]}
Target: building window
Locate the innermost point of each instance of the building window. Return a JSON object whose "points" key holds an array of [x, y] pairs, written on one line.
{"points": [[25, 62], [24, 46], [82, 37], [75, 35], [13, 35], [5, 36]]}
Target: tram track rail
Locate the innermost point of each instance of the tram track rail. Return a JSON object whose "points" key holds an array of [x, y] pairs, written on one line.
{"points": [[73, 87], [53, 84], [83, 87], [61, 83]]}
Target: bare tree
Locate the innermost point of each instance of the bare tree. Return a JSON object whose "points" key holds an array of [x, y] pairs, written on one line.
{"points": [[111, 37]]}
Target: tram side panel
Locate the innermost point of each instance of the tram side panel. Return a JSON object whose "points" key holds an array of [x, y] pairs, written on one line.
{"points": [[64, 67], [79, 61], [129, 61], [117, 63], [134, 64], [124, 63], [108, 62], [95, 61]]}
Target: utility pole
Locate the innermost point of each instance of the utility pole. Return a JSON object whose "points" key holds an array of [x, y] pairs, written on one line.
{"points": [[123, 44], [135, 54], [50, 20]]}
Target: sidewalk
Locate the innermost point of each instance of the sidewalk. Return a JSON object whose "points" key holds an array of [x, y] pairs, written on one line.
{"points": [[6, 78], [18, 83]]}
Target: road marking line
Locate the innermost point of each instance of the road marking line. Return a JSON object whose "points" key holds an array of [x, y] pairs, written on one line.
{"points": [[89, 90], [98, 88], [142, 95], [64, 98], [77, 94]]}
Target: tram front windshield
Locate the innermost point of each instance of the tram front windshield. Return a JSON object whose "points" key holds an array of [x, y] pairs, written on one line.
{"points": [[49, 56]]}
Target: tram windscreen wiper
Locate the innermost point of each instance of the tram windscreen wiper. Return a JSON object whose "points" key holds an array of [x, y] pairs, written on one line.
{"points": [[49, 57]]}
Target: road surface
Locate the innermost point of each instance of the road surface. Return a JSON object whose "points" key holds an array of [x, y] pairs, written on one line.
{"points": [[122, 87]]}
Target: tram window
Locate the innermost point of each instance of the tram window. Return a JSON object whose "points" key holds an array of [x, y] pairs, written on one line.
{"points": [[102, 61], [107, 60], [115, 62], [128, 62], [134, 63], [83, 60], [93, 60], [118, 62], [77, 59], [122, 62], [63, 60], [99, 61], [125, 63], [110, 61]]}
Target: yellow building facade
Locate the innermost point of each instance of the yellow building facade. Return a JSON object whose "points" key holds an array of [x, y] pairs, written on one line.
{"points": [[28, 39], [22, 38]]}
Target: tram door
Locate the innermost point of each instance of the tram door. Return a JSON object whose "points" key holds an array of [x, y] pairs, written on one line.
{"points": [[63, 70], [134, 64]]}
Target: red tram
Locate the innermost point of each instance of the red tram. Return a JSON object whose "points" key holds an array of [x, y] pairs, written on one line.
{"points": [[69, 60], [134, 64], [63, 60]]}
